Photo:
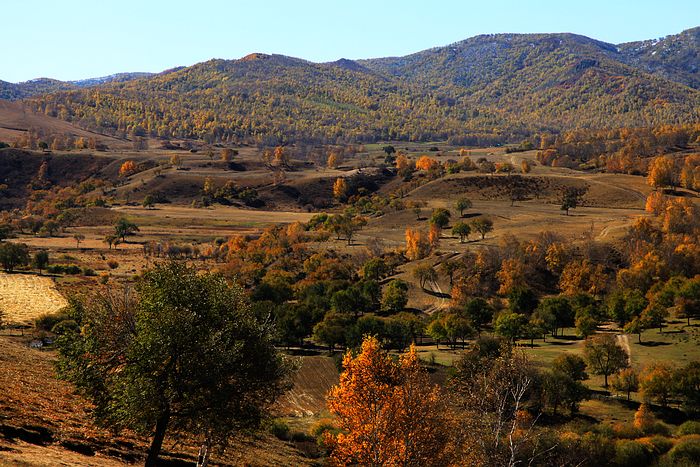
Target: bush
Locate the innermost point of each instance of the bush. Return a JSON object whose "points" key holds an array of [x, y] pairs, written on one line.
{"points": [[64, 326], [113, 264], [660, 444], [691, 427], [630, 453], [686, 451], [279, 429], [320, 428], [89, 272], [627, 431], [48, 321], [64, 269]]}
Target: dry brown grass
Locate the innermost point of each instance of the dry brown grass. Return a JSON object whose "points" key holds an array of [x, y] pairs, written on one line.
{"points": [[24, 297]]}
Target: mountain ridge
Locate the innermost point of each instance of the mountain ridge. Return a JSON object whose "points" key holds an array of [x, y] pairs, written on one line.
{"points": [[488, 84]]}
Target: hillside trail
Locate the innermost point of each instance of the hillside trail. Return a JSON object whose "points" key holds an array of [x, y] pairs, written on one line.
{"points": [[624, 341]]}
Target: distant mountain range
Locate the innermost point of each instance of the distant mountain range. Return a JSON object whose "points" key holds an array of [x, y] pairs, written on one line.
{"points": [[489, 87]]}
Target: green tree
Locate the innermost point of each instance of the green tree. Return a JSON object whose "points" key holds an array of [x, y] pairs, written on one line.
{"points": [[462, 230], [462, 205], [13, 255], [509, 325], [479, 313], [440, 217], [395, 296], [605, 356], [123, 228], [626, 380], [572, 198], [149, 201], [483, 225], [40, 260], [184, 355], [425, 273]]}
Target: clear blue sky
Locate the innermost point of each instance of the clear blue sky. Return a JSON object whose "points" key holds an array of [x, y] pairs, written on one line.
{"points": [[73, 39]]}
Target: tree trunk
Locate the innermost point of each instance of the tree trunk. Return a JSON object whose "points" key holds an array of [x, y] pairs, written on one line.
{"points": [[605, 385], [157, 443], [204, 452]]}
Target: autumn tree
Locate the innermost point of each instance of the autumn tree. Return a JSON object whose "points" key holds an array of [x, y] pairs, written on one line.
{"points": [[183, 354], [417, 244], [176, 161], [626, 381], [605, 356], [389, 412], [127, 168], [661, 172], [334, 160], [525, 166], [426, 163], [123, 228], [340, 188], [40, 260], [227, 154]]}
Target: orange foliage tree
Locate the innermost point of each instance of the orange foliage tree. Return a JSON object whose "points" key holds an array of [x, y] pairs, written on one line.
{"points": [[340, 188], [661, 172], [127, 168], [426, 163], [388, 411], [417, 246]]}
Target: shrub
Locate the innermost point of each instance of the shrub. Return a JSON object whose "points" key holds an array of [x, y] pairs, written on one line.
{"points": [[320, 428], [48, 321], [627, 431], [279, 429], [630, 453], [691, 427], [89, 272], [65, 326], [686, 451], [113, 264]]}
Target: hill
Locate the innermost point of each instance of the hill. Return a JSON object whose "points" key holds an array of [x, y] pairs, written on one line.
{"points": [[14, 91], [675, 57], [491, 88]]}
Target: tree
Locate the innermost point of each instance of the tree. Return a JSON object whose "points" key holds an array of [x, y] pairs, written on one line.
{"points": [[149, 201], [13, 255], [571, 365], [40, 260], [605, 356], [525, 166], [483, 225], [509, 325], [176, 161], [334, 160], [463, 204], [644, 418], [572, 198], [479, 313], [78, 237], [656, 383], [340, 189], [462, 230], [427, 163], [123, 228], [127, 168], [686, 385], [425, 273], [332, 330], [185, 354], [389, 150], [626, 381], [556, 312], [440, 217], [227, 154], [661, 172], [395, 296], [389, 412]]}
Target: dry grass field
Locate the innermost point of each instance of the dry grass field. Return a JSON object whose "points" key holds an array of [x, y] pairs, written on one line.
{"points": [[24, 297]]}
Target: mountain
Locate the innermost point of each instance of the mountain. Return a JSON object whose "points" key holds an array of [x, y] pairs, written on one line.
{"points": [[14, 91], [486, 88], [676, 57]]}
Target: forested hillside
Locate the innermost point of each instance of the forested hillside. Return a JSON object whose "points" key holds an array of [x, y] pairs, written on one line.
{"points": [[486, 89]]}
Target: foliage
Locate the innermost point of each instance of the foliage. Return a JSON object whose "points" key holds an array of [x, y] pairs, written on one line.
{"points": [[389, 412], [605, 356], [13, 255], [184, 355]]}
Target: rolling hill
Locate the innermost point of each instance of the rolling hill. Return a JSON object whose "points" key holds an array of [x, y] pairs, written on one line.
{"points": [[486, 89]]}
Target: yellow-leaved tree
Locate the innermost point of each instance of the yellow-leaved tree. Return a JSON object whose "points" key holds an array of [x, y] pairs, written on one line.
{"points": [[340, 189], [388, 411]]}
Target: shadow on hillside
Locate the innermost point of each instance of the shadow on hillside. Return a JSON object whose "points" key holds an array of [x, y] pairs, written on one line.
{"points": [[652, 343], [437, 294]]}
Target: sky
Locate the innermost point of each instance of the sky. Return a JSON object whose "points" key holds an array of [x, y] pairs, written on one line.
{"points": [[76, 39]]}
